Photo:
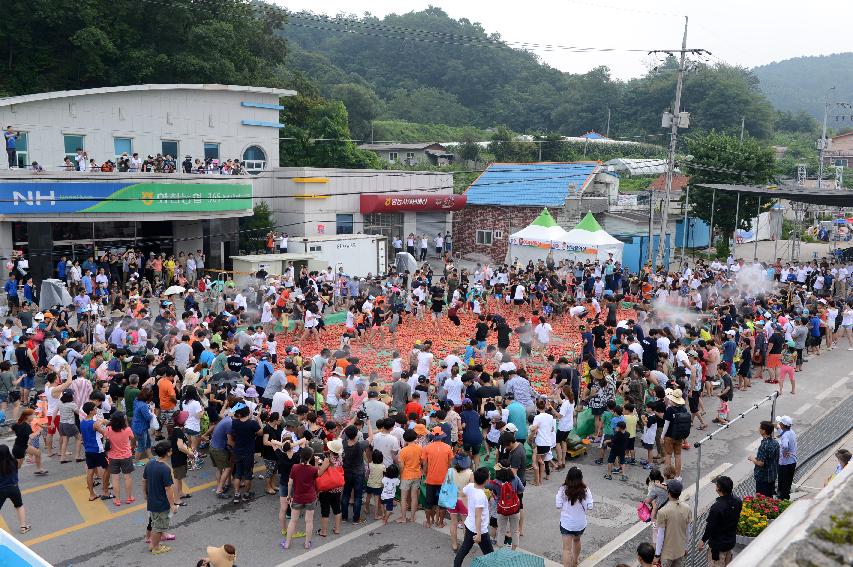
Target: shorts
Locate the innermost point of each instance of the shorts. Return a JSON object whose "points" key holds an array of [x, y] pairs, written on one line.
{"points": [[143, 441], [473, 448], [299, 506], [159, 521], [460, 508], [68, 430], [374, 490], [630, 445], [723, 558], [180, 472], [493, 522], [564, 531], [672, 446], [28, 382], [518, 301], [12, 493], [166, 417], [604, 440], [4, 397], [774, 360], [271, 467], [409, 484], [282, 488], [525, 349], [693, 400], [597, 411], [542, 449], [96, 461], [389, 504], [243, 465], [613, 455], [481, 345], [121, 465], [221, 458], [52, 424], [191, 432], [431, 496], [562, 436], [648, 446]]}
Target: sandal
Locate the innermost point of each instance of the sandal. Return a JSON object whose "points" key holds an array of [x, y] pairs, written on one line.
{"points": [[131, 500], [285, 544], [117, 502], [161, 549], [109, 496], [308, 544], [321, 534], [25, 529], [95, 498], [182, 503]]}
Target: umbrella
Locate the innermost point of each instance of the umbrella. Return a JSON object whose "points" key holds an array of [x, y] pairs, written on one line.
{"points": [[225, 377], [53, 292], [505, 557], [174, 290]]}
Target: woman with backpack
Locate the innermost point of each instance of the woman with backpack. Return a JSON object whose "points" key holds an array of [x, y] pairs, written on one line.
{"points": [[506, 488], [573, 500]]}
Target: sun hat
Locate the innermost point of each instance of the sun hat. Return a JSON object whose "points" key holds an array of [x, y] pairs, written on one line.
{"points": [[674, 395], [251, 393], [336, 446], [421, 429]]}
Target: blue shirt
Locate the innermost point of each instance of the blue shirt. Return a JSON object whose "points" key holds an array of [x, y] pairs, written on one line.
{"points": [[60, 269], [141, 417], [219, 438], [787, 448], [263, 371], [11, 139], [518, 417], [472, 434], [28, 292], [206, 357], [87, 283], [469, 354], [11, 287], [91, 441], [814, 326], [157, 476], [729, 348]]}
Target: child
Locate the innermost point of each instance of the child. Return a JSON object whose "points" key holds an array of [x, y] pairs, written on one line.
{"points": [[345, 340], [723, 410], [607, 428], [396, 364], [650, 429], [390, 482], [656, 495], [618, 443], [470, 351], [631, 426], [272, 346], [375, 472]]}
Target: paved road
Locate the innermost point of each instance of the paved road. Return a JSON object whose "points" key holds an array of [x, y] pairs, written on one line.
{"points": [[69, 530]]}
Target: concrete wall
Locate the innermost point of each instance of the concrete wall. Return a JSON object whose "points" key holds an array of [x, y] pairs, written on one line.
{"points": [[188, 235], [190, 116], [299, 208]]}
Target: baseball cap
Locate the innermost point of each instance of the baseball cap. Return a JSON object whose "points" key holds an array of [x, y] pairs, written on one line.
{"points": [[511, 428], [785, 420], [674, 487]]}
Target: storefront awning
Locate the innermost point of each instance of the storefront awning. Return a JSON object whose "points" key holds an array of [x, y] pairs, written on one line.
{"points": [[396, 202]]}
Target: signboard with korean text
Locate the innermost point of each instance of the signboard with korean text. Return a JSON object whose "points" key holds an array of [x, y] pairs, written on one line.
{"points": [[392, 203], [118, 197]]}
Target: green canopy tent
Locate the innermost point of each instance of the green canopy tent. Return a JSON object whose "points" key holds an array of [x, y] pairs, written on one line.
{"points": [[506, 557]]}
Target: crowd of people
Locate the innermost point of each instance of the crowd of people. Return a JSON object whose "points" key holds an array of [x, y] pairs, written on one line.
{"points": [[428, 397]]}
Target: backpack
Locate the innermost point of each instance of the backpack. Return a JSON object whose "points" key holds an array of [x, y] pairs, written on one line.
{"points": [[508, 502], [680, 427]]}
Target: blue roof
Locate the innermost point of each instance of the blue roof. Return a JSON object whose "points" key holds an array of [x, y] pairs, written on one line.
{"points": [[593, 135], [530, 184]]}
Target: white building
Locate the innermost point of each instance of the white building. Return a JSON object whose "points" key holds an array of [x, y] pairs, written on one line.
{"points": [[78, 214], [316, 201]]}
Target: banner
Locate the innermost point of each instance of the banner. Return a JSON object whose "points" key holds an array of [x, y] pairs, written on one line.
{"points": [[112, 197], [394, 203], [553, 245]]}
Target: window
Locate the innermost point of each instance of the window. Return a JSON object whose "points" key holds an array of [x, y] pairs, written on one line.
{"points": [[497, 234], [392, 156], [22, 149], [484, 237], [255, 160], [73, 143], [169, 148], [211, 150], [344, 224], [410, 157], [123, 146], [840, 162], [315, 247]]}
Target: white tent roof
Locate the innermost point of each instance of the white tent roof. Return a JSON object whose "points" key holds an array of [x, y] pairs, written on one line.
{"points": [[543, 230]]}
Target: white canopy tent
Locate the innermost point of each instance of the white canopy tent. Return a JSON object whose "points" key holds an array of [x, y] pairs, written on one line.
{"points": [[589, 241]]}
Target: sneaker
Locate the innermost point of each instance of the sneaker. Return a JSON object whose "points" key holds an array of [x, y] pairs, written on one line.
{"points": [[599, 461], [608, 476], [617, 469], [647, 466], [623, 478], [644, 462]]}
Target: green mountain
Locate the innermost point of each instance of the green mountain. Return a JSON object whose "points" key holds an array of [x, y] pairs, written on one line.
{"points": [[800, 85], [426, 67]]}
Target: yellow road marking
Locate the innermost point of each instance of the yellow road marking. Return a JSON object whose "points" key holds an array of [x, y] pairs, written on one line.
{"points": [[96, 519], [94, 511], [53, 484]]}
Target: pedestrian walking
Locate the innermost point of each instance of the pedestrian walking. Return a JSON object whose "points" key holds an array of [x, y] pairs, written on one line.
{"points": [[574, 500], [160, 498], [721, 525], [673, 523]]}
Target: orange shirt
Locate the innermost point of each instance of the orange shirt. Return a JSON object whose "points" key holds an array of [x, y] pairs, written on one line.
{"points": [[166, 389], [414, 407], [437, 456], [410, 459]]}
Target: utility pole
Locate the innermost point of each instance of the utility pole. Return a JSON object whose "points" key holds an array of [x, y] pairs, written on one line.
{"points": [[822, 143], [607, 129], [674, 121], [742, 124]]}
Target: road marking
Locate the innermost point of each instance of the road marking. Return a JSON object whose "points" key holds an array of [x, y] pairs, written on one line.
{"points": [[803, 409], [95, 511], [4, 526], [95, 520], [826, 393], [316, 551], [604, 552]]}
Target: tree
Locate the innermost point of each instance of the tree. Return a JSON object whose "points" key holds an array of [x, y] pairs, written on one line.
{"points": [[316, 134], [469, 149], [718, 158], [362, 106], [506, 148], [254, 229]]}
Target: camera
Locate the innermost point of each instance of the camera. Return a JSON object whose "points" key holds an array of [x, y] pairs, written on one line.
{"points": [[361, 414]]}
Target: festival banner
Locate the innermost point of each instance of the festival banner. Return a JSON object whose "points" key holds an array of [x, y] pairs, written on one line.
{"points": [[393, 203]]}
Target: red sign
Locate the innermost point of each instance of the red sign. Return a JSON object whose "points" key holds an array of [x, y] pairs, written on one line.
{"points": [[394, 203]]}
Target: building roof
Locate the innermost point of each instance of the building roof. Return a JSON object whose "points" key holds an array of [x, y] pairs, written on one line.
{"points": [[393, 146], [544, 220], [589, 223], [23, 99], [593, 135], [531, 184], [679, 182], [845, 135], [826, 196], [636, 167]]}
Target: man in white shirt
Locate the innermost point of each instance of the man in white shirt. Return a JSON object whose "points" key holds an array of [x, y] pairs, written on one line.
{"points": [[454, 387], [334, 386], [385, 442], [425, 358], [282, 244], [543, 333]]}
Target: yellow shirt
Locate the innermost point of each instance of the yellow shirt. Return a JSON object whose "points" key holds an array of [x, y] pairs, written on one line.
{"points": [[631, 424]]}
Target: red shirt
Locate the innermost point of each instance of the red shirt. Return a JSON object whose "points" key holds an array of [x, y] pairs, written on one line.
{"points": [[414, 407], [304, 487]]}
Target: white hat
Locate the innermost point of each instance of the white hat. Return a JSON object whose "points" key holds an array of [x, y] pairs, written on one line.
{"points": [[785, 420], [338, 371], [511, 428]]}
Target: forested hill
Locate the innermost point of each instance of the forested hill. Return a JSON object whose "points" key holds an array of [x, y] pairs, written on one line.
{"points": [[800, 84], [428, 67]]}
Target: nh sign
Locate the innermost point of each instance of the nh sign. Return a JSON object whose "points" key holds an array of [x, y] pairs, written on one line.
{"points": [[33, 198]]}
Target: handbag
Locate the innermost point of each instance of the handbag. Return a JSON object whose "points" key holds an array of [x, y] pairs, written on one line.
{"points": [[644, 513], [154, 423], [449, 494], [332, 478]]}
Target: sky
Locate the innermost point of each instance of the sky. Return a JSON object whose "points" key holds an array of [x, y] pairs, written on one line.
{"points": [[739, 32]]}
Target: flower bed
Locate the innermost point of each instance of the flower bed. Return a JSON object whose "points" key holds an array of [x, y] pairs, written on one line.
{"points": [[757, 512]]}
